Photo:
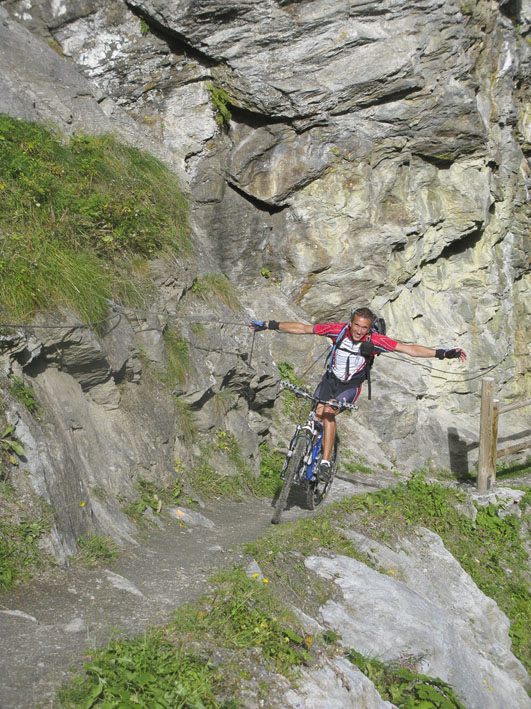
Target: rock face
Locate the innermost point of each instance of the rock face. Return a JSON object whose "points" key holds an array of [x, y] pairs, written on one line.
{"points": [[376, 153], [422, 604]]}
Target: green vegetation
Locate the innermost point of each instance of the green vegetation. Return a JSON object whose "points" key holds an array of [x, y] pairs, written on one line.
{"points": [[152, 497], [95, 550], [19, 552], [244, 623], [295, 408], [212, 484], [177, 357], [220, 100], [213, 288], [76, 218], [241, 619], [404, 687], [185, 424], [24, 394], [271, 462], [356, 464], [11, 445]]}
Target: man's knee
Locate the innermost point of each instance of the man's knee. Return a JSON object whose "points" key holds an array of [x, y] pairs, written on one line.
{"points": [[330, 411]]}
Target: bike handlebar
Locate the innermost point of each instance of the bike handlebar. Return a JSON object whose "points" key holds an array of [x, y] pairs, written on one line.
{"points": [[300, 393]]}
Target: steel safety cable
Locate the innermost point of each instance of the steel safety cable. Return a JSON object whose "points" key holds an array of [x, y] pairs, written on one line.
{"points": [[66, 326], [465, 375], [177, 316]]}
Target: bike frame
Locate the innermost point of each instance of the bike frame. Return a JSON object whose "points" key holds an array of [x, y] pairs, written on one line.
{"points": [[303, 455], [314, 428]]}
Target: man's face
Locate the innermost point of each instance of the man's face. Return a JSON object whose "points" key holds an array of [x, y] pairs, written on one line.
{"points": [[359, 327]]}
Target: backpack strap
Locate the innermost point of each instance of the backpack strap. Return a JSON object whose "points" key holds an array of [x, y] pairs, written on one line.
{"points": [[339, 339], [367, 350]]}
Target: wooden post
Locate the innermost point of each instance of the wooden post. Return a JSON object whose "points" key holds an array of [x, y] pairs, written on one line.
{"points": [[494, 442], [486, 469]]}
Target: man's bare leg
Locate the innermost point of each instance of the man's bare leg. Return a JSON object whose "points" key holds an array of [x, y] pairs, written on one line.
{"points": [[327, 415]]}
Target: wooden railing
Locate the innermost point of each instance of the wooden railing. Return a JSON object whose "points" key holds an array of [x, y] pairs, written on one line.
{"points": [[488, 434]]}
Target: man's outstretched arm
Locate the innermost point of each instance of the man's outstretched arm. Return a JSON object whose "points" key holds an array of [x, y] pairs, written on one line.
{"points": [[422, 351], [294, 328]]}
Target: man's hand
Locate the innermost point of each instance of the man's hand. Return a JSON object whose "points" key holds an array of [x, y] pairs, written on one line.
{"points": [[258, 325], [454, 353]]}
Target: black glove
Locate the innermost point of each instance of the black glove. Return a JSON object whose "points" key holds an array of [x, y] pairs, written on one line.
{"points": [[259, 325], [448, 354]]}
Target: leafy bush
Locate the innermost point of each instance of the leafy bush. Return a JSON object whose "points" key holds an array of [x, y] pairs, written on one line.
{"points": [[148, 671]]}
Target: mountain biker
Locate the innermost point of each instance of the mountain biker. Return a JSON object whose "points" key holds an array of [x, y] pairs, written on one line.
{"points": [[348, 368]]}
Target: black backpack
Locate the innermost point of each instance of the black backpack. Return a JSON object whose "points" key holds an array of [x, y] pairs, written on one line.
{"points": [[367, 349]]}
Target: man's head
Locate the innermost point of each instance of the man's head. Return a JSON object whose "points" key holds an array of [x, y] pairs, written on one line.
{"points": [[361, 320]]}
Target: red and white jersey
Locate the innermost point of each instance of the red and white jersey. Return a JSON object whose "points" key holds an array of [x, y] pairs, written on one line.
{"points": [[347, 361]]}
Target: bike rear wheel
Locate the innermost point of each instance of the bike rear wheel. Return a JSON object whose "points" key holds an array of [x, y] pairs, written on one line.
{"points": [[295, 463], [317, 490]]}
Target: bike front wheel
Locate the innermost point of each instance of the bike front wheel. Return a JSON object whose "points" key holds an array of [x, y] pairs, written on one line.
{"points": [[317, 490], [296, 461]]}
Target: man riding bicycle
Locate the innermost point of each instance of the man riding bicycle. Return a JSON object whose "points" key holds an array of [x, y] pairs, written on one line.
{"points": [[348, 366]]}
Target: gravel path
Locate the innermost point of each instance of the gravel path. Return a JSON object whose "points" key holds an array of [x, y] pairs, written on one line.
{"points": [[48, 625]]}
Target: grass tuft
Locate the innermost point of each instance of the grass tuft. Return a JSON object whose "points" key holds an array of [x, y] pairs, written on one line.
{"points": [[74, 217]]}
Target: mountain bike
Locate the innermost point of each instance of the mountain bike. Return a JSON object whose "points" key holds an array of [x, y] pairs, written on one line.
{"points": [[304, 456]]}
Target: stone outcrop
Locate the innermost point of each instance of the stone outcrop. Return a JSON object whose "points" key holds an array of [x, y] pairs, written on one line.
{"points": [[422, 604]]}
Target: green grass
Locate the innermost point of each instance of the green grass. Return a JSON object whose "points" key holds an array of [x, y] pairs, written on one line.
{"points": [[405, 687], [213, 288], [149, 671], [491, 549], [76, 216], [151, 496], [271, 462], [177, 357], [95, 550], [296, 409], [241, 483], [19, 552], [185, 424], [241, 619]]}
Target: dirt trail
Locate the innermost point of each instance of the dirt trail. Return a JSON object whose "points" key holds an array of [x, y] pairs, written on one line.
{"points": [[71, 610]]}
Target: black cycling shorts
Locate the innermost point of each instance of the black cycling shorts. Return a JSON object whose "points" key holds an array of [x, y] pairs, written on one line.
{"points": [[330, 387]]}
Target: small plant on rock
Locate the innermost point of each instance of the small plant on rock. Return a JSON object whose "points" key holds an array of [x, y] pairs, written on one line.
{"points": [[220, 100], [23, 393]]}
